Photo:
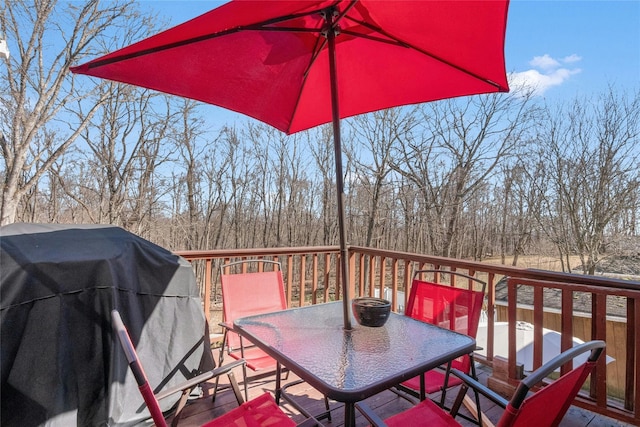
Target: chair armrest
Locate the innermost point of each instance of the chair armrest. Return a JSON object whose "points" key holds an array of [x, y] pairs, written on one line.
{"points": [[480, 388], [371, 416], [226, 325], [199, 379]]}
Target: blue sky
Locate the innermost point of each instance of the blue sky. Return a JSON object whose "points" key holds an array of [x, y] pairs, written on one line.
{"points": [[564, 48], [574, 47]]}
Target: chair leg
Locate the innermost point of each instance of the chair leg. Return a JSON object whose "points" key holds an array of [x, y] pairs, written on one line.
{"points": [[458, 402], [220, 361], [328, 408], [423, 392], [244, 372], [278, 382], [235, 387], [475, 377], [244, 382], [181, 404], [443, 395], [461, 394]]}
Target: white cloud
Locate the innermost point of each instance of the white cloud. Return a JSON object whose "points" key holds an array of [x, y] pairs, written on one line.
{"points": [[571, 59], [544, 62], [547, 72]]}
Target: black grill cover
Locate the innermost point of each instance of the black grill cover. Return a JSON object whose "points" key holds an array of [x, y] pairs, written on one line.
{"points": [[60, 362]]}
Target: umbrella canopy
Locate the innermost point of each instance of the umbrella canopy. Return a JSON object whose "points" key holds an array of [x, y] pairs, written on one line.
{"points": [[298, 64]]}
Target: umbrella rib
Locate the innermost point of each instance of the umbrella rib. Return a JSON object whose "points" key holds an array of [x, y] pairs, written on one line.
{"points": [[283, 29], [258, 26], [374, 38], [343, 14], [320, 45], [417, 49]]}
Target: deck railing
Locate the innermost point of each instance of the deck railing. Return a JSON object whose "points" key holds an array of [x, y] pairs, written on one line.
{"points": [[311, 276]]}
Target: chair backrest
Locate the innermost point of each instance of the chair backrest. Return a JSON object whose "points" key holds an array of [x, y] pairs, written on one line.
{"points": [[547, 406], [444, 305], [136, 367], [246, 294]]}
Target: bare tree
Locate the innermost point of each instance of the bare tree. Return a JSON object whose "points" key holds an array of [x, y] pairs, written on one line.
{"points": [[321, 146], [374, 137], [188, 136], [215, 196], [127, 140], [520, 203], [593, 163], [463, 142], [46, 39]]}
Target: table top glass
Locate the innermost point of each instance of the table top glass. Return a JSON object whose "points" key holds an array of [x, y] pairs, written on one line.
{"points": [[349, 366]]}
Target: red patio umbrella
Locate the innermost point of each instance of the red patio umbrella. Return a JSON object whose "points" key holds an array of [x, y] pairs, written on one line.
{"points": [[298, 64]]}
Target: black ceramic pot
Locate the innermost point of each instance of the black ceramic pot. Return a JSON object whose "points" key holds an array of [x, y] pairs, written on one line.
{"points": [[370, 311]]}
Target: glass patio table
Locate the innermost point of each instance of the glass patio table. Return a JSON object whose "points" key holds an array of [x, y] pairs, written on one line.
{"points": [[349, 366]]}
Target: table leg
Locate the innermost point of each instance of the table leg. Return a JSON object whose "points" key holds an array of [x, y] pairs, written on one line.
{"points": [[349, 415]]}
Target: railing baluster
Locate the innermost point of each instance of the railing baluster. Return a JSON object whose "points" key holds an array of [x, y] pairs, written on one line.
{"points": [[327, 276], [566, 326], [362, 276], [512, 298], [372, 275], [491, 307], [538, 323], [394, 284], [599, 332], [382, 275], [635, 325], [302, 283], [633, 373]]}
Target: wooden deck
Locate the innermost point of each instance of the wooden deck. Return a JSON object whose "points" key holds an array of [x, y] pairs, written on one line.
{"points": [[385, 404]]}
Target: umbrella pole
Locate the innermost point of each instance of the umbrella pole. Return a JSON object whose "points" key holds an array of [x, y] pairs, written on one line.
{"points": [[337, 144]]}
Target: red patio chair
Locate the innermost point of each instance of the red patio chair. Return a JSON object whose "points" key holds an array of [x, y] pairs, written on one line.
{"points": [[450, 307], [150, 398], [544, 408], [261, 411], [247, 294]]}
